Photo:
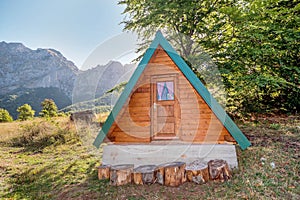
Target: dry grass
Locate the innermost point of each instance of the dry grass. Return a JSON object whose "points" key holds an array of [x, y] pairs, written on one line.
{"points": [[67, 170], [9, 130], [101, 117]]}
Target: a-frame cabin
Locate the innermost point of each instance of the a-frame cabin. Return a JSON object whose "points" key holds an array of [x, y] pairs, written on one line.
{"points": [[165, 114]]}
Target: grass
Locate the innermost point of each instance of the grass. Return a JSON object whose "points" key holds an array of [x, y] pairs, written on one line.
{"points": [[58, 162]]}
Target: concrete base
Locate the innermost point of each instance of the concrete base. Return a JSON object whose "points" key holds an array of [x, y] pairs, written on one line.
{"points": [[155, 154]]}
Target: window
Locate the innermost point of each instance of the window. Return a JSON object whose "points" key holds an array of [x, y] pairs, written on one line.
{"points": [[165, 90]]}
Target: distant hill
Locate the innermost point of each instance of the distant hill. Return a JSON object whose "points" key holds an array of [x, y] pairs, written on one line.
{"points": [[93, 83], [33, 97], [30, 76], [101, 104]]}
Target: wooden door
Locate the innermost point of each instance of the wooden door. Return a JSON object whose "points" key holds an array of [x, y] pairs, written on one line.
{"points": [[164, 105]]}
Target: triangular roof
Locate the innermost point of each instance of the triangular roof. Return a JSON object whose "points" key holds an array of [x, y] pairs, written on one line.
{"points": [[159, 40]]}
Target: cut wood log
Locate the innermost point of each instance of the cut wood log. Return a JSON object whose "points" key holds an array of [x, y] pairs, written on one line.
{"points": [[197, 172], [120, 174], [145, 174], [171, 174], [103, 172], [219, 170], [160, 174], [175, 174]]}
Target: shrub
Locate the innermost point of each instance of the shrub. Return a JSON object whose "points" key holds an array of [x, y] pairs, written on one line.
{"points": [[38, 135], [49, 108], [5, 116], [25, 112]]}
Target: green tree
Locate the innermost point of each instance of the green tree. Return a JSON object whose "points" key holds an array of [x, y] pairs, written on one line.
{"points": [[5, 116], [264, 56], [49, 108], [255, 45], [25, 112], [197, 21]]}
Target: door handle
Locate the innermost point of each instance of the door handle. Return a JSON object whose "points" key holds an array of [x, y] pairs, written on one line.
{"points": [[154, 106]]}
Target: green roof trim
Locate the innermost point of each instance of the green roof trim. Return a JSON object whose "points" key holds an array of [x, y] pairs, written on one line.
{"points": [[217, 109]]}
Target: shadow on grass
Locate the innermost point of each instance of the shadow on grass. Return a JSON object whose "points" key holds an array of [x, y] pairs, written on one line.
{"points": [[54, 180], [32, 184], [37, 142]]}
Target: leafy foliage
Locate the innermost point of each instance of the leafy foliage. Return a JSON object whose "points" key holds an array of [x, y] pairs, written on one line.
{"points": [[255, 45], [5, 116], [25, 112], [263, 69], [49, 108]]}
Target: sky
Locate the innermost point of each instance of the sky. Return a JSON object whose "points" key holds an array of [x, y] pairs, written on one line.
{"points": [[76, 28]]}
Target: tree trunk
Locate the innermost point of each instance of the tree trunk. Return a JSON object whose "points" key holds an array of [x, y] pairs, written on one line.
{"points": [[145, 174], [120, 174], [219, 170], [171, 174], [197, 172], [103, 172]]}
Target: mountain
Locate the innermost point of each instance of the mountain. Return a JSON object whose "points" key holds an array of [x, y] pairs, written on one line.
{"points": [[21, 66], [30, 76], [93, 83]]}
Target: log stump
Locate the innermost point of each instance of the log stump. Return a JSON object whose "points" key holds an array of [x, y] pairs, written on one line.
{"points": [[103, 172], [160, 174], [197, 172], [145, 174], [219, 170], [120, 174], [171, 174]]}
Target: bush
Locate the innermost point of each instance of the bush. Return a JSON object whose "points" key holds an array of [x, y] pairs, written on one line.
{"points": [[25, 112], [38, 135], [5, 116], [49, 108]]}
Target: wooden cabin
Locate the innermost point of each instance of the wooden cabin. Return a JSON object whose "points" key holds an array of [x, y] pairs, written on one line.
{"points": [[166, 113]]}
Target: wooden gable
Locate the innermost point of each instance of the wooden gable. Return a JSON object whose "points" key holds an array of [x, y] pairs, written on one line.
{"points": [[198, 118], [196, 122]]}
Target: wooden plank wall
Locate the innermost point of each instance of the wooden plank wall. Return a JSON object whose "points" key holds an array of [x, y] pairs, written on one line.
{"points": [[133, 122], [196, 122]]}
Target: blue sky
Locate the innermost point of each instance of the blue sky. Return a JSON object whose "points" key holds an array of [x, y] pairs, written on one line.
{"points": [[73, 27]]}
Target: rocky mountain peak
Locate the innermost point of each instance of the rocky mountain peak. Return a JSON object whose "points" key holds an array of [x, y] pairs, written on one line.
{"points": [[28, 76], [13, 47], [21, 66]]}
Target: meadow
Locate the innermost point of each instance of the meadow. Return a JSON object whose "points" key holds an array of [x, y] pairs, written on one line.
{"points": [[55, 159]]}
